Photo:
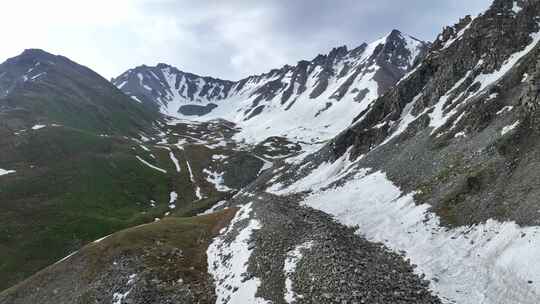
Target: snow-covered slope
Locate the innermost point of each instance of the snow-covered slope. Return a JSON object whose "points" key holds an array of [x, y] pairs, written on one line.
{"points": [[310, 101], [444, 167]]}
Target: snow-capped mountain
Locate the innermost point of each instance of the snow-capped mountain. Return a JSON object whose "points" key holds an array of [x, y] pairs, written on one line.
{"points": [[312, 100], [444, 166]]}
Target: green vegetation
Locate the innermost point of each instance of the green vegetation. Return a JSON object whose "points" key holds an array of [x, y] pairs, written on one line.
{"points": [[72, 187], [167, 250], [191, 234]]}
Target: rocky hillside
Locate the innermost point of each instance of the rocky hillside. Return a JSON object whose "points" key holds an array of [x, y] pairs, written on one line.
{"points": [[465, 116], [312, 100], [429, 196], [38, 88], [443, 165]]}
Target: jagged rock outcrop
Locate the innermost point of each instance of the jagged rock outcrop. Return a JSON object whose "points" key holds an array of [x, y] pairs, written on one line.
{"points": [[311, 100], [460, 128]]}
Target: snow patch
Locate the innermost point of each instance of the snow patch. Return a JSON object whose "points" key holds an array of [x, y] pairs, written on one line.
{"points": [[175, 161], [173, 196], [5, 172], [486, 80], [67, 257], [516, 8], [228, 261], [150, 165], [486, 263], [119, 297], [101, 239], [216, 178], [505, 109], [509, 128], [289, 268], [214, 208], [323, 176]]}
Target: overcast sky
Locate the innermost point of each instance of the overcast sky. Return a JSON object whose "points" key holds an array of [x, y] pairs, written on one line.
{"points": [[223, 38]]}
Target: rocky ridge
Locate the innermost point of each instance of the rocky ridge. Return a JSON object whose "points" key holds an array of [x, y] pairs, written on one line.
{"points": [[311, 100]]}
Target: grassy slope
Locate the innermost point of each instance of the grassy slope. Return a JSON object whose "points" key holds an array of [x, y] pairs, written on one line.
{"points": [[191, 235], [68, 94], [72, 187]]}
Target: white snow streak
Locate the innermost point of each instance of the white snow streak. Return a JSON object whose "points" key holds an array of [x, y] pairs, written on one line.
{"points": [[150, 165], [67, 257], [292, 259], [509, 128], [216, 178], [266, 164], [101, 239], [173, 196], [192, 178], [5, 172], [175, 161], [488, 79], [214, 208], [321, 177], [487, 263], [228, 262]]}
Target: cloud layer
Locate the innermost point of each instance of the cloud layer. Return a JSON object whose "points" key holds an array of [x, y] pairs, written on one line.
{"points": [[228, 39]]}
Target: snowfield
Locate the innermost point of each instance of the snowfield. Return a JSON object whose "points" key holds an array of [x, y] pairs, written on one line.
{"points": [[489, 263], [299, 110]]}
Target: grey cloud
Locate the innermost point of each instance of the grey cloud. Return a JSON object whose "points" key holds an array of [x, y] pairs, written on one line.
{"points": [[223, 38], [237, 38]]}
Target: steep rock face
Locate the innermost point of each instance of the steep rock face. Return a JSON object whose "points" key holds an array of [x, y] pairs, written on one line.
{"points": [[460, 129], [167, 88], [39, 88], [311, 100]]}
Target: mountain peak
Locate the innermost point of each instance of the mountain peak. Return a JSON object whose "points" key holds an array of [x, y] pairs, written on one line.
{"points": [[397, 34], [301, 91], [394, 33], [37, 54], [162, 65]]}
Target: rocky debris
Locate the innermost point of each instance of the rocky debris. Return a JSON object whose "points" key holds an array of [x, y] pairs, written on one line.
{"points": [[129, 279], [338, 267]]}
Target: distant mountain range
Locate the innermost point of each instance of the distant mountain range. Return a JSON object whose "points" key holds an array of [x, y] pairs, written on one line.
{"points": [[312, 100]]}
